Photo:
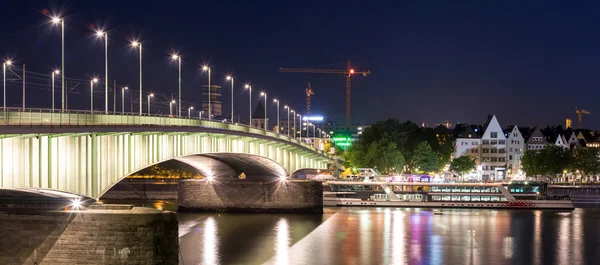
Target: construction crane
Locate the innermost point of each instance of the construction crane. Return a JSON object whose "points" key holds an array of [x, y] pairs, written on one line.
{"points": [[309, 92], [348, 72], [580, 113]]}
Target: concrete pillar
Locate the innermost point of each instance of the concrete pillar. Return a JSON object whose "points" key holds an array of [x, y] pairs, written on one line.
{"points": [[250, 196]]}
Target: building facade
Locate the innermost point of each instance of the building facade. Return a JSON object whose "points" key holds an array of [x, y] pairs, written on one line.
{"points": [[216, 107], [493, 151], [536, 140], [258, 117], [515, 145]]}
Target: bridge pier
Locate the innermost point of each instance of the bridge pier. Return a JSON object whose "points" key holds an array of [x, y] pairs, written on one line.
{"points": [[250, 196], [108, 234]]}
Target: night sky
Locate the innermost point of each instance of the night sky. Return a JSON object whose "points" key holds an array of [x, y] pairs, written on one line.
{"points": [[528, 62]]}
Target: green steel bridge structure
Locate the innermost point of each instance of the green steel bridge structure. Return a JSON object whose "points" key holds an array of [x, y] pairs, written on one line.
{"points": [[86, 153]]}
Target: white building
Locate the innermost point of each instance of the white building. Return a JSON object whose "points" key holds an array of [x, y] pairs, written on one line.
{"points": [[561, 141], [493, 151], [468, 142], [515, 144]]}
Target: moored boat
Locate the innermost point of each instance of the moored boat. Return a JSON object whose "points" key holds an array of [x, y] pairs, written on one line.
{"points": [[512, 195]]}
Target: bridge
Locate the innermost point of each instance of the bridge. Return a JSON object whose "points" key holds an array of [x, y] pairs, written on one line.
{"points": [[86, 153]]}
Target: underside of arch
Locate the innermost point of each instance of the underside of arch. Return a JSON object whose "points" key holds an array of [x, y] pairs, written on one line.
{"points": [[222, 165]]}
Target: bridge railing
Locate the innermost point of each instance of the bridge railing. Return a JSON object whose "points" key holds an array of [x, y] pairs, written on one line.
{"points": [[58, 118]]}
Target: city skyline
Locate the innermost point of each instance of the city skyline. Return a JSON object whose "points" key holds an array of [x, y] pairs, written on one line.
{"points": [[432, 63]]}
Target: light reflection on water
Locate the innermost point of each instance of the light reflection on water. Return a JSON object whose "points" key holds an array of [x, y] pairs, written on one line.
{"points": [[392, 236]]}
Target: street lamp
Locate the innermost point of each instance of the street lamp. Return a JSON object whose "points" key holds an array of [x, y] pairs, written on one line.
{"points": [[293, 112], [55, 72], [277, 101], [57, 20], [139, 44], [206, 68], [249, 87], [171, 107], [123, 99], [4, 66], [149, 96], [190, 112], [300, 121], [230, 78], [265, 95], [102, 34], [288, 119], [178, 58], [95, 80]]}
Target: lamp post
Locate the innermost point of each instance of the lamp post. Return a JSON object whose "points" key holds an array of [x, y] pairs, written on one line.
{"points": [[178, 58], [24, 87], [249, 87], [95, 80], [293, 112], [55, 72], [123, 99], [4, 66], [206, 68], [300, 121], [139, 44], [171, 107], [265, 95], [149, 96], [57, 20], [288, 119], [230, 78], [102, 34], [278, 128], [313, 125], [190, 112]]}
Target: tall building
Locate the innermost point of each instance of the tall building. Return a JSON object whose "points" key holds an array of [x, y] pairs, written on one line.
{"points": [[515, 143], [493, 151], [568, 123], [258, 117], [216, 107]]}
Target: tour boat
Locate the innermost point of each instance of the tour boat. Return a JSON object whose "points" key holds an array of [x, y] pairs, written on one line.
{"points": [[378, 193]]}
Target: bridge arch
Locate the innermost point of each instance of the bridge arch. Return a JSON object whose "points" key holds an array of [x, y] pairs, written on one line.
{"points": [[89, 160], [225, 165]]}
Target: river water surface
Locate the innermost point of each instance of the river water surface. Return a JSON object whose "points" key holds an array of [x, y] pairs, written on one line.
{"points": [[392, 236]]}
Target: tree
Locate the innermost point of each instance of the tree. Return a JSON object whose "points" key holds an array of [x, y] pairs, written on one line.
{"points": [[382, 154], [585, 160], [406, 135], [531, 163], [385, 155], [425, 159], [553, 161], [462, 165]]}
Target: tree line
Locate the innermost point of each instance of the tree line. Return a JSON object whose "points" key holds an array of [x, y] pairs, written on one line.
{"points": [[553, 162], [394, 146]]}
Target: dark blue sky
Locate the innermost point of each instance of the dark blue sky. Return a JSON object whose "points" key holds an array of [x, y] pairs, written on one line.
{"points": [[529, 62]]}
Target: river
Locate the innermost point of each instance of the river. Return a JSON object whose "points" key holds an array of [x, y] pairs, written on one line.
{"points": [[392, 236]]}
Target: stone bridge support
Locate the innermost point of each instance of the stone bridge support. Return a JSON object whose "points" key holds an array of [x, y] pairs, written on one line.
{"points": [[250, 196]]}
